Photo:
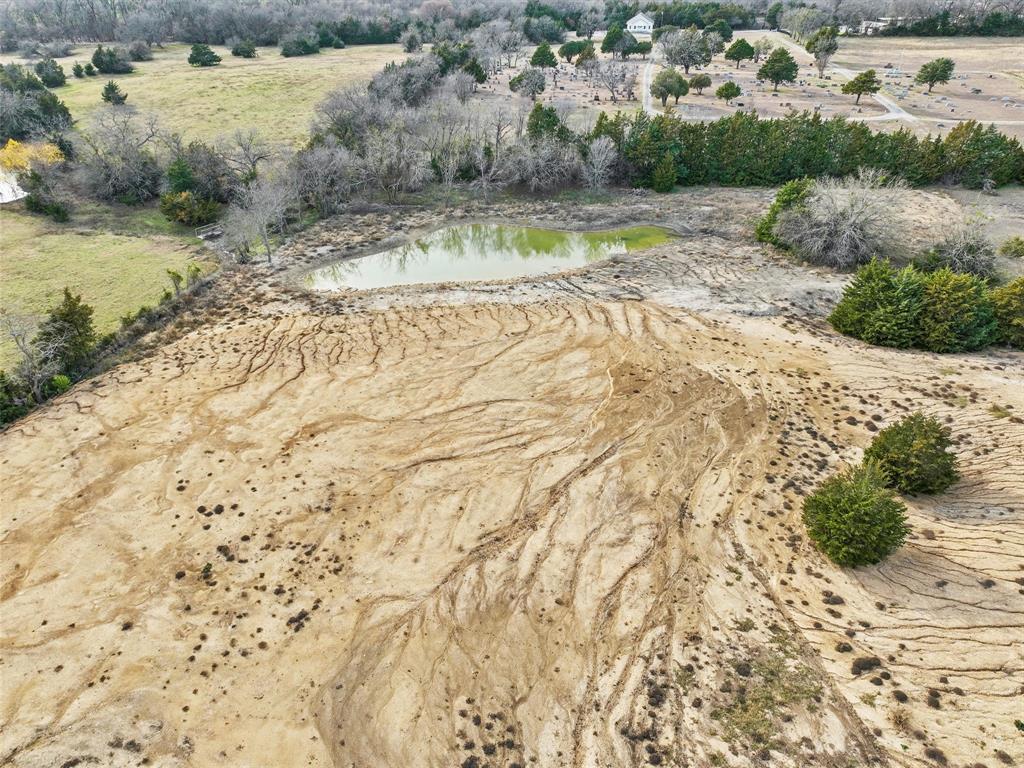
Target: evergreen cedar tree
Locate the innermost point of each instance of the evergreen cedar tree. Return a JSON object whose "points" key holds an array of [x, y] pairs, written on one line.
{"points": [[51, 73], [543, 57], [203, 56], [745, 150], [728, 91], [779, 67], [935, 72], [941, 311], [611, 39], [854, 518], [111, 61], [112, 94], [866, 82], [70, 324], [914, 456], [1008, 305], [244, 49], [739, 51]]}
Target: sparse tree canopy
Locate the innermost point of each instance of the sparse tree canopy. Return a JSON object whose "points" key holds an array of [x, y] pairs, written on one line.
{"points": [[914, 456], [762, 47], [866, 82], [739, 51], [530, 82], [699, 82], [823, 45], [668, 83], [685, 48], [854, 518], [780, 67], [728, 91], [573, 48], [935, 72]]}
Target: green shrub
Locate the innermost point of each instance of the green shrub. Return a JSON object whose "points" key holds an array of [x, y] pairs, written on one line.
{"points": [[57, 210], [89, 69], [1008, 305], [51, 73], [15, 399], [299, 46], [188, 208], [664, 178], [139, 50], [966, 250], [790, 194], [854, 518], [60, 384], [77, 70], [957, 313], [111, 61], [112, 94], [1013, 248], [203, 56], [244, 49], [913, 454], [881, 305]]}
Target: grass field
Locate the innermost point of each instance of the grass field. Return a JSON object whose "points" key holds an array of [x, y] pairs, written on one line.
{"points": [[116, 258], [271, 93]]}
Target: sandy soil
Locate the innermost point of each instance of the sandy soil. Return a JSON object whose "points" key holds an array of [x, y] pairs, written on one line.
{"points": [[559, 527]]}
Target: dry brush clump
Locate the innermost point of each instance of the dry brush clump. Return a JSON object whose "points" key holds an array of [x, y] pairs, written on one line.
{"points": [[843, 223]]}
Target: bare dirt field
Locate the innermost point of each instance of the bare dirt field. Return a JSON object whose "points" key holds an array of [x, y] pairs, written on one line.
{"points": [[550, 523]]}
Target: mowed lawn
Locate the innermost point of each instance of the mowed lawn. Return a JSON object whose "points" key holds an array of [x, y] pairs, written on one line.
{"points": [[271, 93], [117, 267]]}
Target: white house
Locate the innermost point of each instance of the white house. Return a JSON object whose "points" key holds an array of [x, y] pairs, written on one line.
{"points": [[641, 24]]}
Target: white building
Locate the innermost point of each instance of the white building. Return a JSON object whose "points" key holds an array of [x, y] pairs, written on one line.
{"points": [[641, 24]]}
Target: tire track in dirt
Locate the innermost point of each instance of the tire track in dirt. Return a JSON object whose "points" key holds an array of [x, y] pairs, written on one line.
{"points": [[564, 531]]}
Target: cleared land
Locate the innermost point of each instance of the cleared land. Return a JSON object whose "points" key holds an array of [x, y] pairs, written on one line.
{"points": [[117, 259], [274, 94], [990, 65], [551, 522]]}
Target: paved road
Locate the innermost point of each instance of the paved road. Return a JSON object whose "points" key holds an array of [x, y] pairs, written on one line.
{"points": [[645, 84]]}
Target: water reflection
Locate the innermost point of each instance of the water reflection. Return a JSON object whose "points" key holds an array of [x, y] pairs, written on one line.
{"points": [[482, 252]]}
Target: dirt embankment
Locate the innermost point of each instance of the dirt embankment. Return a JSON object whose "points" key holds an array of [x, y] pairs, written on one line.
{"points": [[561, 531]]}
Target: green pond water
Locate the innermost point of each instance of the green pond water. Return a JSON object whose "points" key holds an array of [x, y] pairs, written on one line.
{"points": [[483, 252]]}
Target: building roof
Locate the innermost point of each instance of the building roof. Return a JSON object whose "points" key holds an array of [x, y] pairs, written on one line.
{"points": [[641, 17]]}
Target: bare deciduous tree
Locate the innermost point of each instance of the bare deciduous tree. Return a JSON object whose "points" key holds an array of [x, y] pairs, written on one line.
{"points": [[600, 163], [845, 222], [325, 176], [119, 162], [392, 162], [258, 212], [39, 359]]}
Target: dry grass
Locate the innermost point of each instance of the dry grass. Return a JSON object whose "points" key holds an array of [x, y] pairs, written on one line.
{"points": [[274, 94]]}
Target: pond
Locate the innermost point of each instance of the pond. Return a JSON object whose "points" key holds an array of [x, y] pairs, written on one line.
{"points": [[483, 252]]}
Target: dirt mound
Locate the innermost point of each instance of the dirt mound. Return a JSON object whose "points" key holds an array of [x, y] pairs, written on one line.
{"points": [[562, 533]]}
